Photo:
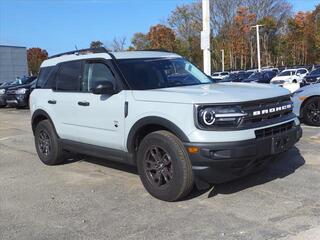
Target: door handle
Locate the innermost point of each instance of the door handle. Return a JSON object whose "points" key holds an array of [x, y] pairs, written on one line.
{"points": [[52, 101], [85, 104]]}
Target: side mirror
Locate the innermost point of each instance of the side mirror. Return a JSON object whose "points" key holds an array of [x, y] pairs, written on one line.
{"points": [[104, 87], [298, 74]]}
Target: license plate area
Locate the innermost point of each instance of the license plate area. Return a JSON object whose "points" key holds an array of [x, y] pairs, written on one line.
{"points": [[280, 144]]}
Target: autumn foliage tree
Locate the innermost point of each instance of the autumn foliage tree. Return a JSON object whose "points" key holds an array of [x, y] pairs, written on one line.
{"points": [[161, 37], [35, 57]]}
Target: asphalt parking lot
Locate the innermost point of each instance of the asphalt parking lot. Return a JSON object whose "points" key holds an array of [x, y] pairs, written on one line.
{"points": [[89, 198]]}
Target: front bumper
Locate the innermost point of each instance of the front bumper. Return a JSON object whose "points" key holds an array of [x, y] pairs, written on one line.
{"points": [[222, 162], [17, 100], [3, 100]]}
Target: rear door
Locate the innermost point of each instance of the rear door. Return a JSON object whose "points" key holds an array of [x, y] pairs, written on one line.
{"points": [[63, 99]]}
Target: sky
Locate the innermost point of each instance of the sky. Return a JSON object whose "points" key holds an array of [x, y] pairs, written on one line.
{"points": [[60, 25]]}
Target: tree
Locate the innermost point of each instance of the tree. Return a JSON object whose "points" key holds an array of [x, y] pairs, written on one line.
{"points": [[140, 41], [161, 37], [96, 44], [118, 44], [35, 57]]}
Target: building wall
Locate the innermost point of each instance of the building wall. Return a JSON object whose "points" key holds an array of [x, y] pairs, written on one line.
{"points": [[13, 62]]}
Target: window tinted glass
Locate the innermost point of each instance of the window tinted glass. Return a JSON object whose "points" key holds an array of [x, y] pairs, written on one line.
{"points": [[316, 71], [95, 74], [44, 76], [68, 78], [161, 73], [302, 71]]}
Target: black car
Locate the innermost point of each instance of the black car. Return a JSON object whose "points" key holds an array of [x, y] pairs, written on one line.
{"points": [[3, 89], [236, 77], [261, 77], [312, 77], [18, 96]]}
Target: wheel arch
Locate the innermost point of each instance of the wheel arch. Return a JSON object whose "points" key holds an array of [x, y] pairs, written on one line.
{"points": [[38, 116], [150, 124]]}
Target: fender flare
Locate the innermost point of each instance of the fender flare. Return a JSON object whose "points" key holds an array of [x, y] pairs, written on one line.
{"points": [[157, 121], [42, 114]]}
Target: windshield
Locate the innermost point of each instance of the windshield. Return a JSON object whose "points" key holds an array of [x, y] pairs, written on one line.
{"points": [[157, 73], [256, 75], [315, 72], [287, 73], [230, 78]]}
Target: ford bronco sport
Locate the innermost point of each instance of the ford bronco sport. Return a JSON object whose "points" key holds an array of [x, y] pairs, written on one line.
{"points": [[158, 111]]}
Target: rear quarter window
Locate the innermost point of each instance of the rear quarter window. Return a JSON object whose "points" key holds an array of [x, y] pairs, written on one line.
{"points": [[46, 77]]}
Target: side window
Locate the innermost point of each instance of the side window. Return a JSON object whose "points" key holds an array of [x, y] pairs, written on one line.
{"points": [[69, 77], [302, 71], [46, 73], [95, 74]]}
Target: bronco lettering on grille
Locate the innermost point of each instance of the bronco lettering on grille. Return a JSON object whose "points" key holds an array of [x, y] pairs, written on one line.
{"points": [[272, 110]]}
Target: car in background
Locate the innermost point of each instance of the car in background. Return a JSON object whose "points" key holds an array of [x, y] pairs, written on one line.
{"points": [[236, 77], [290, 76], [306, 103], [312, 78], [18, 96], [219, 75], [5, 87], [261, 77]]}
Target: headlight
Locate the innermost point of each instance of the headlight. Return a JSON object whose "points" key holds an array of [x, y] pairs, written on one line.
{"points": [[2, 91], [21, 91], [218, 116], [318, 78]]}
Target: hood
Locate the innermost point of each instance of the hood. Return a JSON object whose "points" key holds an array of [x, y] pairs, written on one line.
{"points": [[212, 93], [15, 87], [312, 76]]}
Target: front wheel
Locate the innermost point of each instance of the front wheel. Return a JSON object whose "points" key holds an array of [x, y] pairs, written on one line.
{"points": [[164, 166], [311, 111]]}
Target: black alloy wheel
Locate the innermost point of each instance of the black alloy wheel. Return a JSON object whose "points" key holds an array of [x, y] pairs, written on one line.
{"points": [[158, 166], [311, 111], [164, 166]]}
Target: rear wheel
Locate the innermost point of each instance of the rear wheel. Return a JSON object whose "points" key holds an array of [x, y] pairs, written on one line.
{"points": [[311, 111], [47, 145], [164, 166]]}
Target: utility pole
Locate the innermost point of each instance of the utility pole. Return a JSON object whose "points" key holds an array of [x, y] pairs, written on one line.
{"points": [[222, 60], [205, 37], [258, 45]]}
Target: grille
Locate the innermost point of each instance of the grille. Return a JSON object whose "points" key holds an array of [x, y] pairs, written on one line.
{"points": [[263, 105], [311, 80], [11, 92], [273, 131], [278, 82]]}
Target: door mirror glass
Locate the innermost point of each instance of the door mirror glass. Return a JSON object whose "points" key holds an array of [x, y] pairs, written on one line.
{"points": [[103, 87]]}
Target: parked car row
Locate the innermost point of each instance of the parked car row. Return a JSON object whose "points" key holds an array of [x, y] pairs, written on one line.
{"points": [[16, 93], [298, 75]]}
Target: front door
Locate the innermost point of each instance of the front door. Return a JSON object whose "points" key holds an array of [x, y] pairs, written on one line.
{"points": [[100, 117]]}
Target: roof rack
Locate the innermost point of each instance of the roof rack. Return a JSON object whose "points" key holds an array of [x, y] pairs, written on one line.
{"points": [[82, 51], [156, 50]]}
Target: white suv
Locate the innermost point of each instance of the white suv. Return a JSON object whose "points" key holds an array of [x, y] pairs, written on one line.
{"points": [[158, 111], [290, 76]]}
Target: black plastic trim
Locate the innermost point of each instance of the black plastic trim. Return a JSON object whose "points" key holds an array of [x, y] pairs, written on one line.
{"points": [[97, 151], [153, 120], [43, 113]]}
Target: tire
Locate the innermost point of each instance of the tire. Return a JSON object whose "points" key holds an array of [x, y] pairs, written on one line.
{"points": [[169, 178], [294, 81], [311, 111], [47, 145]]}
